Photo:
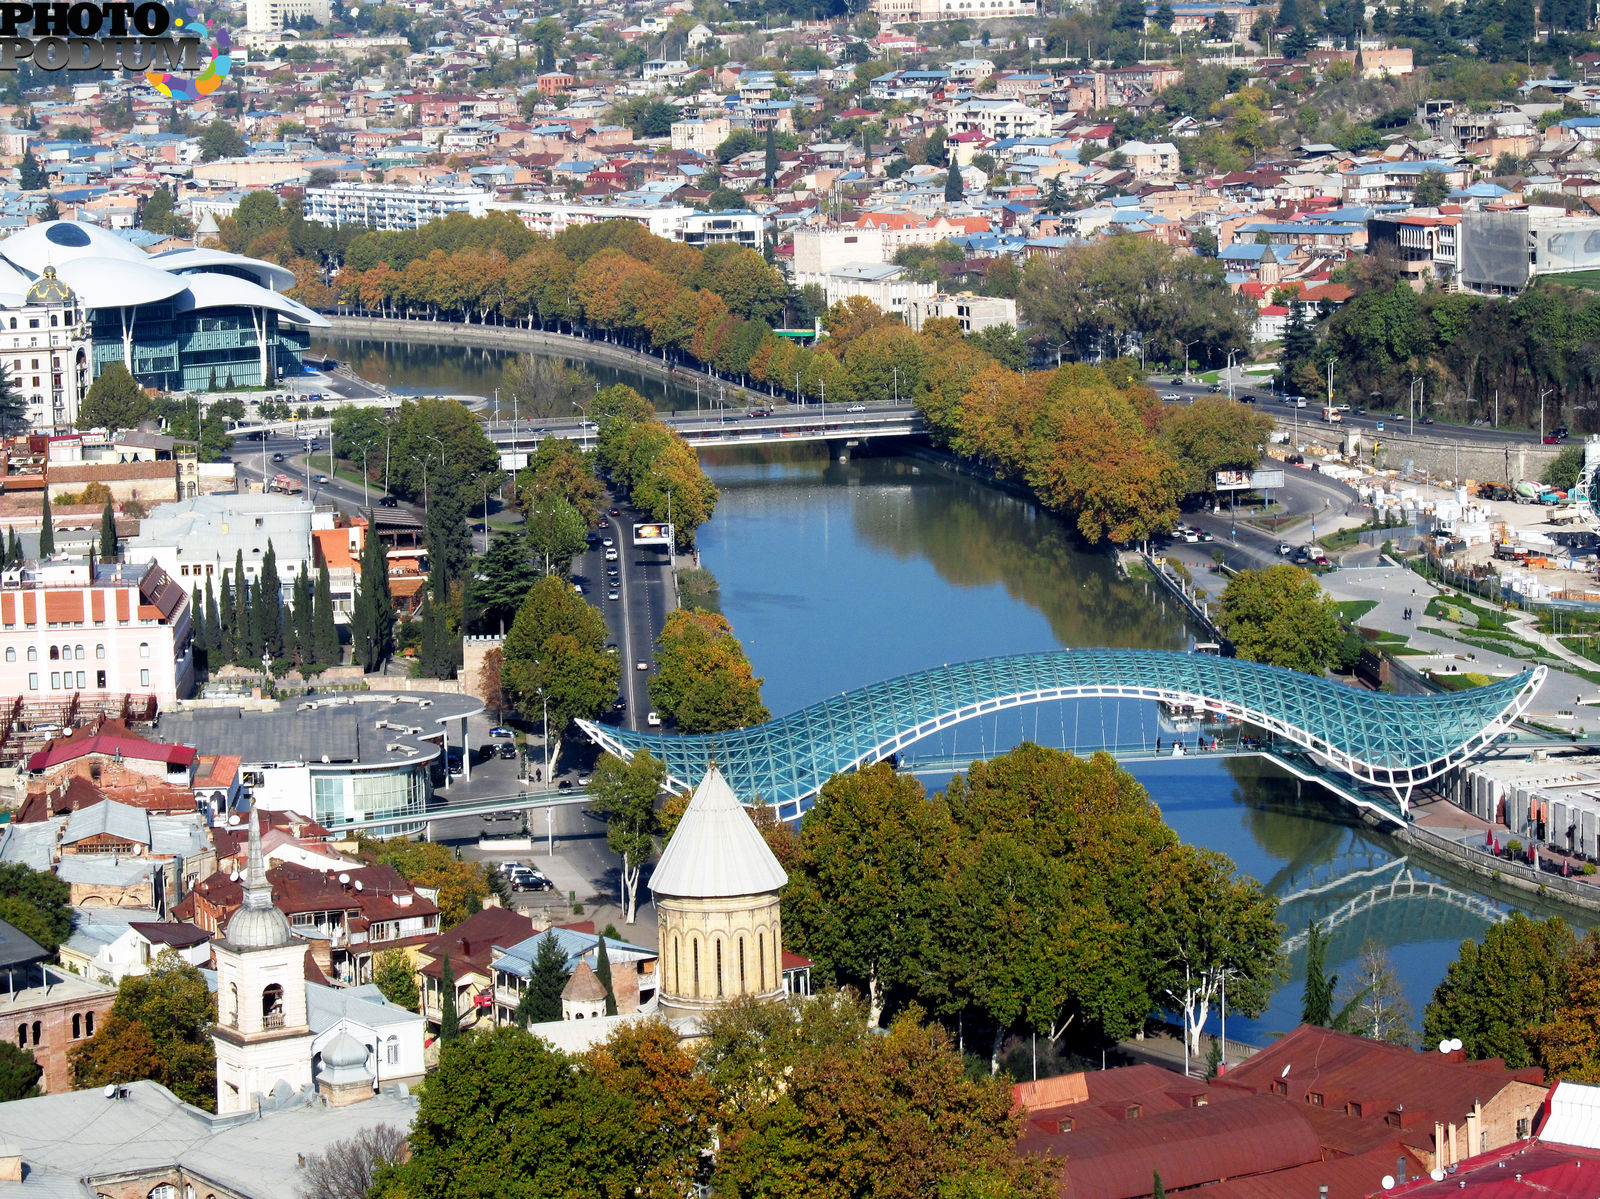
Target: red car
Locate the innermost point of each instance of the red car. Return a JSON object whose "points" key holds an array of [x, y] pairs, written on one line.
{"points": [[1551, 439]]}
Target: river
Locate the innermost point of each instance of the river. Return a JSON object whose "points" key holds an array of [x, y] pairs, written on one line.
{"points": [[835, 575]]}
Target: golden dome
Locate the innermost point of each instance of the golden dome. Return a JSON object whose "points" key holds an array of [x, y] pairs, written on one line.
{"points": [[47, 289]]}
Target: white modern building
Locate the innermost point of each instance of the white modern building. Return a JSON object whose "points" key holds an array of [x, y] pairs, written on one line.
{"points": [[884, 284], [390, 207], [902, 11], [368, 760], [270, 16], [197, 540], [715, 228], [555, 216], [997, 119]]}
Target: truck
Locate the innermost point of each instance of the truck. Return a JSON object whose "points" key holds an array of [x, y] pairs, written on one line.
{"points": [[1331, 414], [284, 485]]}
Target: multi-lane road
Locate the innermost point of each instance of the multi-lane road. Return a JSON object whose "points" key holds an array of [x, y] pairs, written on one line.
{"points": [[644, 588]]}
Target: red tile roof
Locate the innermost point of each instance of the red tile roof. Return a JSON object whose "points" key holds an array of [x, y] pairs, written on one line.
{"points": [[112, 739]]}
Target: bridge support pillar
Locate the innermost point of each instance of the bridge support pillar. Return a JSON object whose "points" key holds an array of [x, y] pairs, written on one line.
{"points": [[839, 451]]}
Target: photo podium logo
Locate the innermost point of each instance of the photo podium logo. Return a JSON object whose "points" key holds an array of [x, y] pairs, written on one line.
{"points": [[180, 56]]}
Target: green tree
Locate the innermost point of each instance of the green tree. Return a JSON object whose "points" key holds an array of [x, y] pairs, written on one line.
{"points": [[19, 1073], [556, 648], [159, 1028], [1213, 433], [300, 640], [47, 529], [555, 531], [501, 580], [36, 903], [108, 539], [160, 214], [115, 401], [393, 975], [703, 679], [227, 623], [268, 616], [1564, 469], [372, 618], [1432, 188], [222, 140], [1157, 1191], [1213, 925], [504, 1104], [625, 793], [1496, 993], [324, 632], [770, 163], [602, 973], [954, 193], [1316, 1007], [449, 1021], [30, 175], [541, 1002], [13, 408], [1280, 616]]}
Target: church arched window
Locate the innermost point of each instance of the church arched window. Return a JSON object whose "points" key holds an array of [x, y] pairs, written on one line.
{"points": [[272, 1006], [742, 986]]}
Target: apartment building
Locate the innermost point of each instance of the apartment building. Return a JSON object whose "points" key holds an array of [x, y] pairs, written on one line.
{"points": [[390, 208]]}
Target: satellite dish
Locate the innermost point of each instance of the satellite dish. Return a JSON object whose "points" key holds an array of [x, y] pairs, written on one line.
{"points": [[111, 1090], [358, 884], [1446, 1045], [233, 819], [1285, 1071], [1456, 1044], [344, 879], [1388, 1182], [1437, 1175], [234, 876]]}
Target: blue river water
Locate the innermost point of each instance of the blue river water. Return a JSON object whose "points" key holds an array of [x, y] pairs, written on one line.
{"points": [[838, 575]]}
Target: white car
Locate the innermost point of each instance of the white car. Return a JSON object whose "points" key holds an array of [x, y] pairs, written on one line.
{"points": [[1172, 395], [607, 542], [641, 665], [612, 594], [856, 408], [653, 720], [611, 555]]}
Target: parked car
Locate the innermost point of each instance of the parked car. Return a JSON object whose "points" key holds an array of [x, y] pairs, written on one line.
{"points": [[1172, 395], [485, 752], [388, 501], [500, 730], [585, 779], [508, 750], [1285, 548], [653, 720]]}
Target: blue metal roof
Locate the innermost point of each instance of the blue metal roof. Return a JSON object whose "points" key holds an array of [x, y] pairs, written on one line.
{"points": [[1391, 741]]}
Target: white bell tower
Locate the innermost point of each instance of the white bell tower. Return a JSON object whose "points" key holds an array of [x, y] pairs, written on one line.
{"points": [[261, 1035]]}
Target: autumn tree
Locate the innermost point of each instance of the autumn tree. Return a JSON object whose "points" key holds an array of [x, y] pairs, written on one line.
{"points": [[1280, 616], [703, 680], [555, 652], [160, 1029], [1568, 1042], [625, 794], [460, 886], [1210, 434]]}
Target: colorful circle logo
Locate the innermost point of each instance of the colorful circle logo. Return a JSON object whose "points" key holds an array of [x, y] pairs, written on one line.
{"points": [[209, 80]]}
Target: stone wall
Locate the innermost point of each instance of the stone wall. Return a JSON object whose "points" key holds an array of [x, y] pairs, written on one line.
{"points": [[473, 652], [1435, 452]]}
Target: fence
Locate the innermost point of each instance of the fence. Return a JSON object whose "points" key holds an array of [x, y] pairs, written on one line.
{"points": [[1515, 874]]}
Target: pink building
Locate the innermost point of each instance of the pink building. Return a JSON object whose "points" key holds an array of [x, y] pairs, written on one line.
{"points": [[64, 637]]}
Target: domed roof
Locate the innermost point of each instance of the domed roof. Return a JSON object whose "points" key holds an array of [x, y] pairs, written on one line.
{"points": [[716, 850], [51, 243], [47, 289], [258, 924], [344, 1051]]}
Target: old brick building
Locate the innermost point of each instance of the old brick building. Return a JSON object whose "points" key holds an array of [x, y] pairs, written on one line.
{"points": [[44, 1009]]}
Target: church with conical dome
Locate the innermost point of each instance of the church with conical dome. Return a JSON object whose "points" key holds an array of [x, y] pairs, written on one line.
{"points": [[262, 1035], [716, 893]]}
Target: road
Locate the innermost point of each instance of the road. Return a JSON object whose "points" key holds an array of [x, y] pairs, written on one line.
{"points": [[642, 583]]}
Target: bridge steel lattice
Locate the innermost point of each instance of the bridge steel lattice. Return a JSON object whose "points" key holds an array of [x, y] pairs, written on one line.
{"points": [[1392, 742]]}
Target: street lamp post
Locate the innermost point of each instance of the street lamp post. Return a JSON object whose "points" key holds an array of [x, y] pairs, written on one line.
{"points": [[1186, 345], [1232, 354], [1547, 391], [1331, 361]]}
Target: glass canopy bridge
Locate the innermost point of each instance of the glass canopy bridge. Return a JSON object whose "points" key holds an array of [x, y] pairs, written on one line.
{"points": [[1372, 749]]}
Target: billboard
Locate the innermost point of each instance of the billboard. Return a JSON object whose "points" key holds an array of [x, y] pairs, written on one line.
{"points": [[1249, 480], [652, 535]]}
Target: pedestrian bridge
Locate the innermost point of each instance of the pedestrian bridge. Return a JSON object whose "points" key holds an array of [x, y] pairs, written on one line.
{"points": [[1389, 742]]}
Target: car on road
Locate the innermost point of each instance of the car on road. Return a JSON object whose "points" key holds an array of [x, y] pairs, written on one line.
{"points": [[856, 408], [616, 512], [641, 664], [611, 647], [1205, 536], [612, 571], [508, 750], [585, 779], [760, 412], [653, 720], [500, 730], [1559, 431], [485, 752], [1215, 389], [1172, 395], [1247, 399], [388, 501], [1175, 381], [564, 785], [1285, 548], [607, 542], [1189, 535], [611, 555], [620, 705], [1551, 439], [612, 594], [322, 478], [278, 457]]}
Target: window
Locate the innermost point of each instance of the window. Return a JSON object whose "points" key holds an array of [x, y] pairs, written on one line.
{"points": [[33, 681], [272, 1006], [144, 649], [1314, 1098], [22, 1036], [11, 653], [55, 654], [77, 653], [55, 680], [36, 1033], [165, 1191], [144, 677], [77, 1026], [100, 653], [392, 1048], [33, 653], [82, 681], [1280, 1087], [1522, 1130], [100, 679]]}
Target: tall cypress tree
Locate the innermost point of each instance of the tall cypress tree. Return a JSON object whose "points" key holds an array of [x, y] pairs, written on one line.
{"points": [[372, 620], [602, 971], [1317, 1006], [953, 191], [770, 171], [209, 615], [227, 624], [197, 620], [324, 632], [12, 551], [270, 616], [108, 534], [300, 613], [449, 1021], [47, 530], [250, 620]]}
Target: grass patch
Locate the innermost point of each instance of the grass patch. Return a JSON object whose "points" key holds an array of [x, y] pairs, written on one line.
{"points": [[1459, 610], [1466, 681], [1342, 540], [700, 589], [1138, 570], [1588, 280], [1354, 610]]}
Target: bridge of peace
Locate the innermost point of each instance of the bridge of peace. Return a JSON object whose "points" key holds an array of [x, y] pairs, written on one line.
{"points": [[1371, 749]]}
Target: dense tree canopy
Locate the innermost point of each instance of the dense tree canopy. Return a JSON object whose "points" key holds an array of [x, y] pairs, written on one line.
{"points": [[556, 650], [159, 1028], [36, 903], [703, 680], [1280, 616]]}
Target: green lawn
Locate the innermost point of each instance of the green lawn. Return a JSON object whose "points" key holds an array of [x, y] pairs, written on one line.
{"points": [[1589, 280], [1354, 610]]}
